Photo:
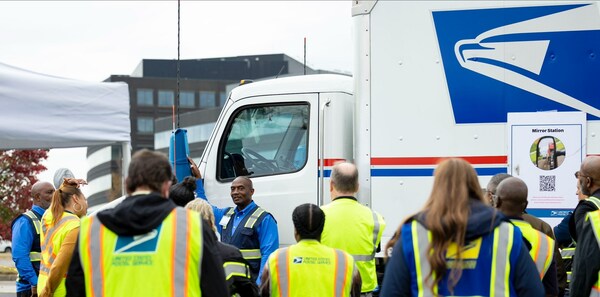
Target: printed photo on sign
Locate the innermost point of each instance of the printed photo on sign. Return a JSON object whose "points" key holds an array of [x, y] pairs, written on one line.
{"points": [[547, 152]]}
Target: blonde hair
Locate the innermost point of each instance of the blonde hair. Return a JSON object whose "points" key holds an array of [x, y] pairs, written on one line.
{"points": [[204, 209]]}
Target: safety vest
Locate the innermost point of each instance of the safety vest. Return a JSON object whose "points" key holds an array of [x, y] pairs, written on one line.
{"points": [[594, 217], [486, 262], [567, 255], [245, 237], [356, 229], [35, 255], [52, 238], [594, 201], [309, 268], [163, 262], [542, 246]]}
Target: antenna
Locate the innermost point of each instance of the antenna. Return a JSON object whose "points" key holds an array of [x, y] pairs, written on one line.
{"points": [[304, 55], [178, 60]]}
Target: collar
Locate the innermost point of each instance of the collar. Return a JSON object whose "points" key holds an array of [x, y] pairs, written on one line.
{"points": [[345, 197], [38, 210], [248, 208], [596, 194], [308, 242], [143, 192]]}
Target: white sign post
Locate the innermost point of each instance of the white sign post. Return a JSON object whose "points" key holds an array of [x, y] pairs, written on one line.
{"points": [[545, 149]]}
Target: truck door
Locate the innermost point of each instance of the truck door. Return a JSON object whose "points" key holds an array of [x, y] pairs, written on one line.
{"points": [[273, 140]]}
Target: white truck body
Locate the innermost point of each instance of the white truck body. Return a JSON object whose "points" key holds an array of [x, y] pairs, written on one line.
{"points": [[432, 79]]}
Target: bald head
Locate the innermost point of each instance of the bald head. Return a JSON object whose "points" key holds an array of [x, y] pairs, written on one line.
{"points": [[512, 196], [589, 175], [42, 194], [344, 179]]}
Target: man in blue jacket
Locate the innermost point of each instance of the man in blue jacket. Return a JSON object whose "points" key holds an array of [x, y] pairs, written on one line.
{"points": [[26, 250], [248, 227]]}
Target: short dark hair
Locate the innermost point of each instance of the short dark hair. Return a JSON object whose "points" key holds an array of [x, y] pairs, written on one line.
{"points": [[148, 168], [345, 180], [309, 221], [183, 192]]}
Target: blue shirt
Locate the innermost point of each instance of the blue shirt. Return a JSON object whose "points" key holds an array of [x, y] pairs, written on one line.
{"points": [[267, 230], [22, 239], [200, 189]]}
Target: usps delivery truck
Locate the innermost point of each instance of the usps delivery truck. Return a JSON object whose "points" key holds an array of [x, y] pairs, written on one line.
{"points": [[432, 79]]}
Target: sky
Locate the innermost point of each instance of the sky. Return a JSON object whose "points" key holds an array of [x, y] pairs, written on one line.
{"points": [[91, 40]]}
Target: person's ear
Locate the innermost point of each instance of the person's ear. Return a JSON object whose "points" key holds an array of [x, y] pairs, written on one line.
{"points": [[252, 192]]}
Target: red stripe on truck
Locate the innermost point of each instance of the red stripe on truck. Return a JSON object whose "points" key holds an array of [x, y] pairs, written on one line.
{"points": [[475, 160]]}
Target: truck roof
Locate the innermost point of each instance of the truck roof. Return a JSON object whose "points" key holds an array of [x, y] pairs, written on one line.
{"points": [[317, 83]]}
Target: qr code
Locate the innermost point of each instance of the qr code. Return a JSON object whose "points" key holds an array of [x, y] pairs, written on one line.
{"points": [[547, 183]]}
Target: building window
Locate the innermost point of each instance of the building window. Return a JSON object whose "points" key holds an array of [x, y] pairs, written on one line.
{"points": [[165, 98], [222, 98], [144, 97], [186, 99], [207, 99], [145, 125]]}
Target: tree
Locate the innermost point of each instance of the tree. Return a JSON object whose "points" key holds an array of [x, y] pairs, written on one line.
{"points": [[18, 170]]}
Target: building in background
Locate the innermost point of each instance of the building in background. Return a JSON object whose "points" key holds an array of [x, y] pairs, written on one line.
{"points": [[204, 85]]}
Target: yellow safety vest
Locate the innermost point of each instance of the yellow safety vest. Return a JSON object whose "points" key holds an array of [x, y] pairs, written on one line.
{"points": [[52, 238], [594, 217], [594, 201], [163, 262], [567, 256], [542, 246], [34, 256], [309, 268], [356, 229]]}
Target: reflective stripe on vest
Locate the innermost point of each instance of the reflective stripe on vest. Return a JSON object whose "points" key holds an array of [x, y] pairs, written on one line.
{"points": [[283, 273], [48, 255], [36, 222], [542, 246], [376, 227], [228, 215], [34, 256], [236, 269], [251, 254], [594, 217], [500, 270], [180, 226], [594, 200]]}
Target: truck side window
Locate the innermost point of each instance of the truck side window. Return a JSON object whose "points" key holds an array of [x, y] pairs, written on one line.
{"points": [[265, 140]]}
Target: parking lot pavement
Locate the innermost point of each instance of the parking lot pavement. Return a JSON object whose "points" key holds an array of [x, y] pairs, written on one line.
{"points": [[7, 288]]}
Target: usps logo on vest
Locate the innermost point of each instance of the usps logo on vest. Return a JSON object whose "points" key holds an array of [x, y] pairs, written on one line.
{"points": [[297, 260], [138, 244], [520, 59]]}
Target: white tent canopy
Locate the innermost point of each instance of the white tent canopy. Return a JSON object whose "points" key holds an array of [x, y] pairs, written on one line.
{"points": [[42, 111]]}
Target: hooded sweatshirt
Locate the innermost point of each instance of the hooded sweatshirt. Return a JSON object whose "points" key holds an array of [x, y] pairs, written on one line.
{"points": [[482, 221], [140, 214]]}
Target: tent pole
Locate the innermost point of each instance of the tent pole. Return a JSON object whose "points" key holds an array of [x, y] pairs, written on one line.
{"points": [[126, 150]]}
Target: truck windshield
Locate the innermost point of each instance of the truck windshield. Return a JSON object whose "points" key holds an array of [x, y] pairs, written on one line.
{"points": [[265, 140]]}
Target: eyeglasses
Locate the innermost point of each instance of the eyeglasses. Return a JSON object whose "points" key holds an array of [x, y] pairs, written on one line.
{"points": [[576, 174]]}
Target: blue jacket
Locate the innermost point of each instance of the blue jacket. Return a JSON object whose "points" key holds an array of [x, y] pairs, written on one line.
{"points": [[400, 275], [266, 229], [23, 238]]}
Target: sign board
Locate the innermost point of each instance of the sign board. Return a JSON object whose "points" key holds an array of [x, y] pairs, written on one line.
{"points": [[545, 150]]}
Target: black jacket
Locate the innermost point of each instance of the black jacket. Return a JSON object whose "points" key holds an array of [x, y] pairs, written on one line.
{"points": [[583, 207], [243, 286], [139, 215], [586, 262]]}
